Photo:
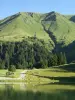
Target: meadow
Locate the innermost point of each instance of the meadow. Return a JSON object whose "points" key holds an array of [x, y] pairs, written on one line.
{"points": [[48, 75], [40, 84], [15, 75], [52, 75]]}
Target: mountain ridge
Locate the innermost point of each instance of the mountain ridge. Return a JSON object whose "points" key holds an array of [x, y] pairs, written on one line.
{"points": [[57, 30], [52, 26]]}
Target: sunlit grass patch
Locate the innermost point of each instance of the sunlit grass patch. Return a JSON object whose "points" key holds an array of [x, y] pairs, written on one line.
{"points": [[43, 75], [15, 75]]}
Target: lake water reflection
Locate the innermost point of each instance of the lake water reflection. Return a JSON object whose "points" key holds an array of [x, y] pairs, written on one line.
{"points": [[23, 91]]}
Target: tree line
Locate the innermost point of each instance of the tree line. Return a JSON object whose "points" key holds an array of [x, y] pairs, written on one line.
{"points": [[27, 54]]}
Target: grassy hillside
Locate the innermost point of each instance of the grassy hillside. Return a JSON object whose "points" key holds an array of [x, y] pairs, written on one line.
{"points": [[26, 24], [60, 27], [22, 25], [54, 28]]}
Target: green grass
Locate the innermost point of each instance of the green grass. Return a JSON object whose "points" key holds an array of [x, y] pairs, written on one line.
{"points": [[3, 73], [15, 75], [23, 26], [42, 76], [59, 72]]}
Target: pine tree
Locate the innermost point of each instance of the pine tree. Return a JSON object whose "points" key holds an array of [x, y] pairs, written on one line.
{"points": [[65, 59], [62, 58], [6, 60], [1, 47]]}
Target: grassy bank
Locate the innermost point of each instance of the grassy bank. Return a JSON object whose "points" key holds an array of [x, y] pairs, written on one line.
{"points": [[15, 75], [51, 75], [58, 74]]}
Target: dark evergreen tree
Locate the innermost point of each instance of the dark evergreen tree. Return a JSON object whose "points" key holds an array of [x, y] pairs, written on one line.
{"points": [[61, 58], [7, 60], [65, 59], [12, 68], [29, 54]]}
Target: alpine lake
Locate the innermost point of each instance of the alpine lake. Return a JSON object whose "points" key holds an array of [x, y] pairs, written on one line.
{"points": [[22, 91]]}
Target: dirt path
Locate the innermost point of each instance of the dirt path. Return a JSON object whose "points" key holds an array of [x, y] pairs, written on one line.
{"points": [[23, 74]]}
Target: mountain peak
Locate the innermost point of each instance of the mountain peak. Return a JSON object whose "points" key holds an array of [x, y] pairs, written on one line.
{"points": [[52, 12], [50, 16]]}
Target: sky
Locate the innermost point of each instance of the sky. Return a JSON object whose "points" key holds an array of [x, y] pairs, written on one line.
{"points": [[10, 7]]}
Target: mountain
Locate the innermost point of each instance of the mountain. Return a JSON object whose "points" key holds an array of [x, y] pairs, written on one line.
{"points": [[26, 24], [52, 27], [22, 25], [63, 29]]}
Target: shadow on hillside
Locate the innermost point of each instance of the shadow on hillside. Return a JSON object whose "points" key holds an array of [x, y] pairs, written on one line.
{"points": [[72, 19], [56, 70], [64, 80], [69, 50], [68, 67]]}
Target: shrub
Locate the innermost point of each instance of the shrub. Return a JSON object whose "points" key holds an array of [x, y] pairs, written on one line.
{"points": [[9, 73], [12, 68]]}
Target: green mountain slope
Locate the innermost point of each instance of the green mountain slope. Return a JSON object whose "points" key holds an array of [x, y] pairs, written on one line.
{"points": [[22, 25], [55, 29], [60, 27]]}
